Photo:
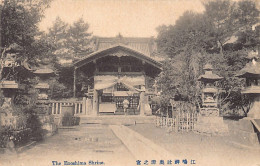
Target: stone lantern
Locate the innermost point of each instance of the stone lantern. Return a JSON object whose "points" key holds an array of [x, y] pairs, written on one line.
{"points": [[249, 127], [11, 84], [209, 121], [251, 72], [44, 75], [209, 92]]}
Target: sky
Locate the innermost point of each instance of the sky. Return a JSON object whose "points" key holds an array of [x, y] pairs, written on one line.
{"points": [[130, 18]]}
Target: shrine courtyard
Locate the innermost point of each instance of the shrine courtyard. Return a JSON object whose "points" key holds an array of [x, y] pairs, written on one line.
{"points": [[98, 144]]}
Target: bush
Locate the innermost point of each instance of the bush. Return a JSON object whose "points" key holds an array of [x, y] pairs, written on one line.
{"points": [[35, 125], [21, 137]]}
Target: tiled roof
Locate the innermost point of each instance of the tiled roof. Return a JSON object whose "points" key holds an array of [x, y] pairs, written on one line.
{"points": [[99, 53], [146, 46]]}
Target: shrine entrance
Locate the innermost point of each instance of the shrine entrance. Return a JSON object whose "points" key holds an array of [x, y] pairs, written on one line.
{"points": [[119, 100], [118, 81]]}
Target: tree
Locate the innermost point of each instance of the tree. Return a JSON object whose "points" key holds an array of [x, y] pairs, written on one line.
{"points": [[78, 38], [20, 36], [227, 19], [68, 42], [19, 32], [57, 38], [196, 39]]}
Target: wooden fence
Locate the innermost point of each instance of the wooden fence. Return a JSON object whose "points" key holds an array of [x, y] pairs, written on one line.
{"points": [[56, 106], [180, 123]]}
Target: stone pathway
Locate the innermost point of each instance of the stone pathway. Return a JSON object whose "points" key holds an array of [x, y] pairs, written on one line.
{"points": [[205, 150], [84, 143], [141, 147]]}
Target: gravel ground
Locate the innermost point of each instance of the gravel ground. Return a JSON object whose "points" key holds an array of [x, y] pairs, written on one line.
{"points": [[205, 150], [85, 143], [99, 143]]}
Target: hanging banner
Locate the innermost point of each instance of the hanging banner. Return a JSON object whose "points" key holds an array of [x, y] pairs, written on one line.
{"points": [[108, 81]]}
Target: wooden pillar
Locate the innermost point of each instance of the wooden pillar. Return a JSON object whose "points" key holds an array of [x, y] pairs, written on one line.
{"points": [[95, 102], [142, 101], [84, 105], [74, 82]]}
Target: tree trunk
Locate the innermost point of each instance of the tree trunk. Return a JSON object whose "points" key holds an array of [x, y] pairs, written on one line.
{"points": [[220, 45], [2, 63]]}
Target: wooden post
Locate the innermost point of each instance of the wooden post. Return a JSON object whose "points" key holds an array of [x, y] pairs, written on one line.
{"points": [[84, 104], [95, 102], [142, 101], [74, 82]]}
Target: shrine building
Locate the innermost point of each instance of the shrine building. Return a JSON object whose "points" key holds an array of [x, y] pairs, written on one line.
{"points": [[119, 69]]}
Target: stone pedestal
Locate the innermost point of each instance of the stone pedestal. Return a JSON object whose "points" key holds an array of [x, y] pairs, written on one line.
{"points": [[244, 132], [148, 110], [255, 110], [211, 125], [89, 106], [142, 103]]}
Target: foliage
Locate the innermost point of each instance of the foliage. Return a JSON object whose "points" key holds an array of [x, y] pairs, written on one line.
{"points": [[59, 91], [67, 40], [69, 43], [20, 36], [34, 124], [20, 137], [222, 35], [79, 39], [19, 25]]}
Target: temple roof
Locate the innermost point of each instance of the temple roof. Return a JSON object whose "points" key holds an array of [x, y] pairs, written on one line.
{"points": [[146, 46], [252, 69], [122, 47]]}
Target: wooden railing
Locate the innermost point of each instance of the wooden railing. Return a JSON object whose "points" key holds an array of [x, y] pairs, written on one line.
{"points": [[57, 106], [182, 122]]}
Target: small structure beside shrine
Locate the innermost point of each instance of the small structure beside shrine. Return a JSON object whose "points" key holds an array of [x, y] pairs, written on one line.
{"points": [[209, 120]]}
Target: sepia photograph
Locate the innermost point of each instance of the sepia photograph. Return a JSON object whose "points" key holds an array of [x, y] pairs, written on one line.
{"points": [[129, 82]]}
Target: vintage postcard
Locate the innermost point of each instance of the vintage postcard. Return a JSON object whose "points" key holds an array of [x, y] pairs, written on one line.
{"points": [[129, 83]]}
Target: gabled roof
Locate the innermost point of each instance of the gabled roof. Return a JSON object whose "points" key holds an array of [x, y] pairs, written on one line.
{"points": [[144, 45], [104, 52]]}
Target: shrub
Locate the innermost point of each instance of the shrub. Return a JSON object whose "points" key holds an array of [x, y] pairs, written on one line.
{"points": [[20, 137], [35, 125]]}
